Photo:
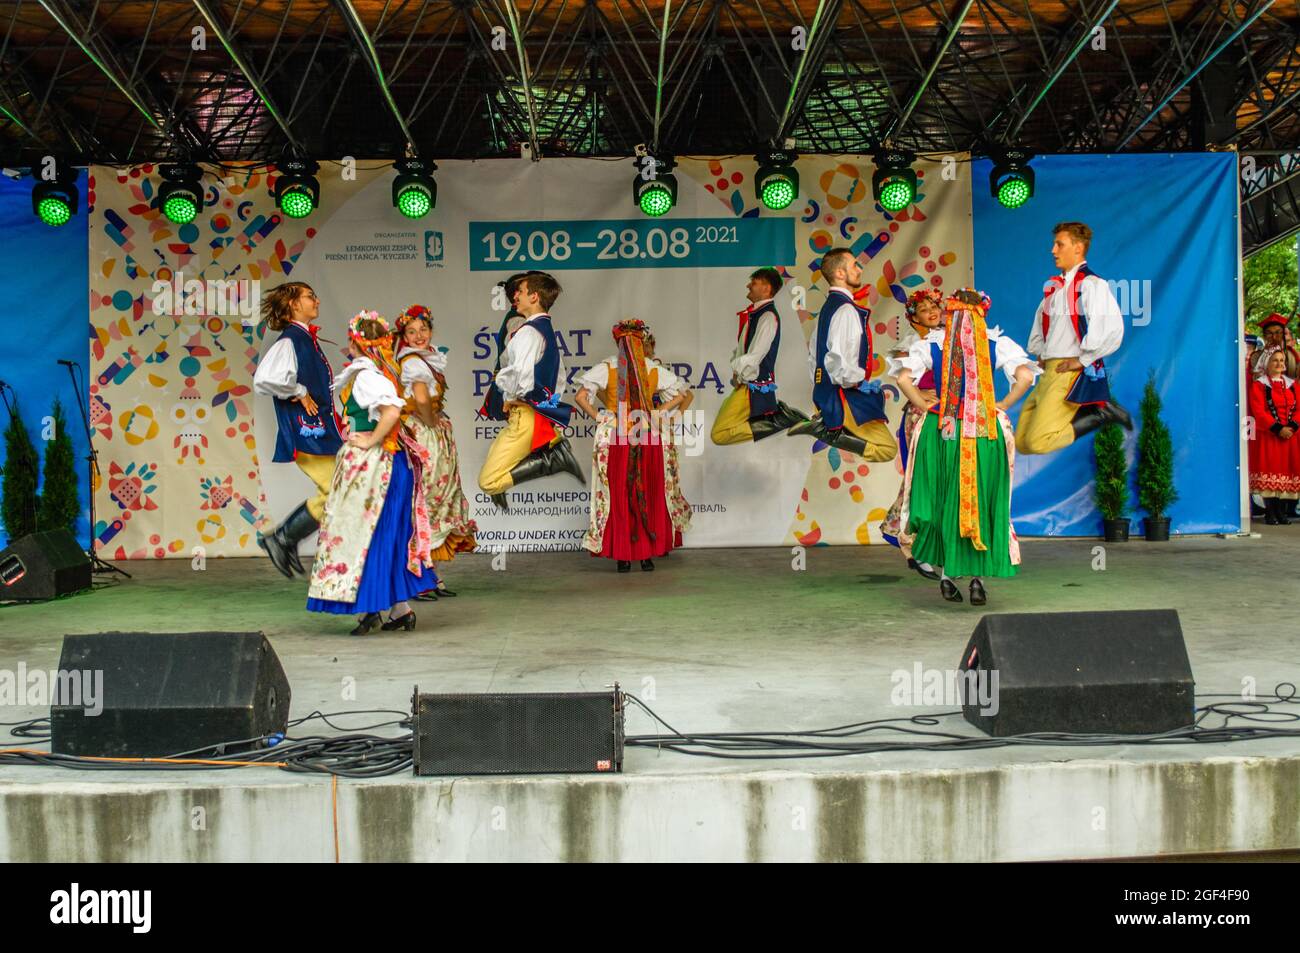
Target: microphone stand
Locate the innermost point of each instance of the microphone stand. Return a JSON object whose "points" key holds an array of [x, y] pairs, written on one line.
{"points": [[92, 461]]}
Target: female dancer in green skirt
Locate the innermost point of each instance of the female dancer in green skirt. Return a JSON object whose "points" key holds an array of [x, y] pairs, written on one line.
{"points": [[958, 482]]}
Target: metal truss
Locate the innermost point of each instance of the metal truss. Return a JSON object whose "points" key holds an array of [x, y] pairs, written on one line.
{"points": [[124, 81]]}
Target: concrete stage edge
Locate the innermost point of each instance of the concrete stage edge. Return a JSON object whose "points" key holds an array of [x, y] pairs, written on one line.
{"points": [[715, 640]]}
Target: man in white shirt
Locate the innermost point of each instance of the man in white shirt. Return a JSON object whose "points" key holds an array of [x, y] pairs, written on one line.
{"points": [[752, 411], [1077, 325], [850, 406], [531, 381]]}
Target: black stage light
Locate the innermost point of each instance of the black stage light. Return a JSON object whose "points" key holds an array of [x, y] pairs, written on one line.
{"points": [[776, 183], [893, 184], [415, 192], [297, 193]]}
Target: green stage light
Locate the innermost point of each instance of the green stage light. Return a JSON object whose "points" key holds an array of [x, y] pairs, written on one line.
{"points": [[414, 191], [181, 194], [54, 211], [893, 184], [296, 192], [655, 189], [55, 202], [776, 183], [1012, 181], [655, 199]]}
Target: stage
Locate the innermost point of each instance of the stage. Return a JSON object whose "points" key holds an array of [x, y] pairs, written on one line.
{"points": [[713, 640]]}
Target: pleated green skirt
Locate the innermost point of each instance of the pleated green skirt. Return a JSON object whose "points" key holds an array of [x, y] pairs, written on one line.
{"points": [[934, 515]]}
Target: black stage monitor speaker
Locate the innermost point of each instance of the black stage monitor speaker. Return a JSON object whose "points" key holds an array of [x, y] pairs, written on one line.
{"points": [[547, 733], [42, 566], [166, 693], [1081, 672]]}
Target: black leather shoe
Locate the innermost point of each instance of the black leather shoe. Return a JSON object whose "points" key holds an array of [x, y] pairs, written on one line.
{"points": [[531, 467], [949, 591], [806, 426], [404, 622], [500, 500], [296, 528], [1270, 511], [624, 565], [430, 596], [924, 573], [647, 565], [1087, 419], [977, 594], [368, 622], [443, 592]]}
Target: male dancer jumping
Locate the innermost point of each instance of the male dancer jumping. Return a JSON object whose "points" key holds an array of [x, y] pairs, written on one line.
{"points": [[530, 381], [752, 411], [850, 407], [296, 374], [1077, 325]]}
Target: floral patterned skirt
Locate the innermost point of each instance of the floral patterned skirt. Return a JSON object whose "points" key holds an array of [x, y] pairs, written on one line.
{"points": [[452, 531], [383, 577]]}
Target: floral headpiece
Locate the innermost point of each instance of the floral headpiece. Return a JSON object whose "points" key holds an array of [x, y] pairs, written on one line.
{"points": [[355, 333], [416, 312], [630, 326], [954, 303], [933, 295]]}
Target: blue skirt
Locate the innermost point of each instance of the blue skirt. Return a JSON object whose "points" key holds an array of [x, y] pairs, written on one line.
{"points": [[385, 580]]}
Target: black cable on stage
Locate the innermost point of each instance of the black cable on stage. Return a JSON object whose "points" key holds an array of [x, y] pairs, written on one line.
{"points": [[358, 754]]}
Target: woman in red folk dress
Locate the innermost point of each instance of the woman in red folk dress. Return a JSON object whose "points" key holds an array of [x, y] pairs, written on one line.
{"points": [[1274, 447], [636, 507]]}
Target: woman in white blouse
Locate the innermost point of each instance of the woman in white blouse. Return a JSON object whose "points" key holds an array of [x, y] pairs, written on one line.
{"points": [[957, 499], [633, 500], [373, 552], [424, 380]]}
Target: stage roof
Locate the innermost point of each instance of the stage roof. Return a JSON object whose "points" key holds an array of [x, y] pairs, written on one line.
{"points": [[123, 81]]}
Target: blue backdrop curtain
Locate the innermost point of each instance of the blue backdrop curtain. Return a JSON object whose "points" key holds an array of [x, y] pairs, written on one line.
{"points": [[1165, 228], [45, 318]]}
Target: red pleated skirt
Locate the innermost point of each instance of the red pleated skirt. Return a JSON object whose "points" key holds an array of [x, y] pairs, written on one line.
{"points": [[618, 542]]}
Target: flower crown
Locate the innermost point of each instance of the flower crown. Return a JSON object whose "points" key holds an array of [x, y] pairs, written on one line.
{"points": [[630, 326], [953, 303], [355, 333], [416, 312], [933, 295]]}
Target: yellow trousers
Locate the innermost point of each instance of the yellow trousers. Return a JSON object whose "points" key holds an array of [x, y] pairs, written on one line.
{"points": [[320, 470], [731, 426], [512, 444], [881, 445], [1046, 420]]}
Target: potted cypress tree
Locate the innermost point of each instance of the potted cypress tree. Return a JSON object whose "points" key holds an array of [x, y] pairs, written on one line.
{"points": [[59, 506], [1155, 468], [21, 473], [1110, 489]]}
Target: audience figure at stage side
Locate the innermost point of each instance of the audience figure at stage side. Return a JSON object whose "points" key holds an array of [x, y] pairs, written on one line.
{"points": [[1277, 338], [924, 311], [752, 411], [374, 552], [424, 381], [1274, 447], [296, 375], [850, 406], [1077, 325], [957, 498], [632, 488], [531, 382]]}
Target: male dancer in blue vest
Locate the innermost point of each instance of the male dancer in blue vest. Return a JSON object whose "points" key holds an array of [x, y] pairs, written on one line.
{"points": [[1077, 325], [752, 411], [493, 403], [296, 375], [531, 381], [850, 407]]}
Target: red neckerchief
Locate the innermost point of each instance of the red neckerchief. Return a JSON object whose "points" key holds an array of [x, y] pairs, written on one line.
{"points": [[744, 319], [1055, 284]]}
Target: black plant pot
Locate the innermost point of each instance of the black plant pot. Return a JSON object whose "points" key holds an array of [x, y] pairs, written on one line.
{"points": [[1116, 530], [1157, 529]]}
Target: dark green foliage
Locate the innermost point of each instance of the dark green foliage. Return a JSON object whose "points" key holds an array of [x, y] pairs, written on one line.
{"points": [[1110, 491], [59, 506], [1155, 468], [18, 487]]}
